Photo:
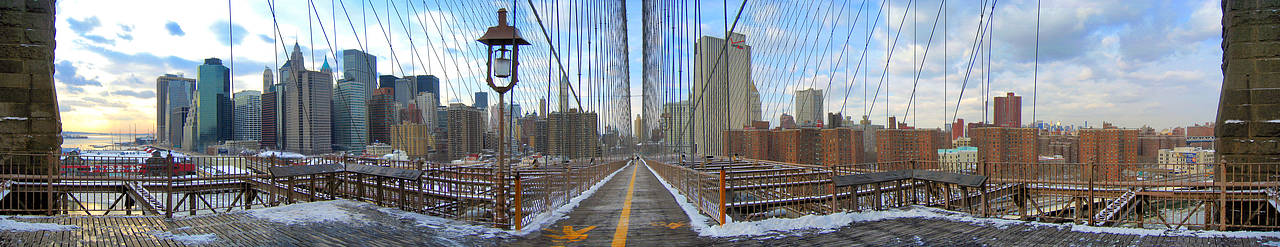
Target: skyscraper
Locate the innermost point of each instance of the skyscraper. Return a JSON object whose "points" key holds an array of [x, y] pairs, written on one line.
{"points": [[172, 91], [809, 107], [675, 126], [573, 134], [564, 94], [360, 67], [350, 116], [465, 135], [213, 117], [405, 90], [270, 111], [428, 84], [308, 98], [381, 115], [481, 101], [426, 105], [723, 95], [268, 80], [248, 115], [1008, 111]]}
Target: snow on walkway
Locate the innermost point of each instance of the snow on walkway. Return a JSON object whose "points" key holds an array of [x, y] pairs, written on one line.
{"points": [[9, 225], [781, 227], [312, 212], [196, 239]]}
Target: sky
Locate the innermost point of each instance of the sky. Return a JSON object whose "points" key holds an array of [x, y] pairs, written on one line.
{"points": [[1132, 63]]}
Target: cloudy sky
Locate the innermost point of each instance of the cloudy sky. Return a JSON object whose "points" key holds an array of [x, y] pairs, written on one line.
{"points": [[1133, 63]]}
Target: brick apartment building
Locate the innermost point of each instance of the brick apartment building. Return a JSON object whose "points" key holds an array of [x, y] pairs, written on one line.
{"points": [[1001, 147], [1005, 145], [1108, 147], [1151, 145], [749, 143], [796, 146], [840, 146], [908, 144], [802, 146], [1065, 145]]}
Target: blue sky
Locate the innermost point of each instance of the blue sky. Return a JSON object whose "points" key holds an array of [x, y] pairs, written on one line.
{"points": [[1130, 62]]}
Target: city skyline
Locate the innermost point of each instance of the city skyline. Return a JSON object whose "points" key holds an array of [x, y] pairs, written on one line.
{"points": [[106, 87]]}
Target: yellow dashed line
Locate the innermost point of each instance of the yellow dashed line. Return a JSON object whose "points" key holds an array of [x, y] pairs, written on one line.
{"points": [[620, 235]]}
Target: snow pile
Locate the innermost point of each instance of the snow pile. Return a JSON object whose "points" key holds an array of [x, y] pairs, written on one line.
{"points": [[775, 227], [311, 212], [8, 225], [227, 170], [551, 217], [185, 238], [447, 226], [14, 118], [279, 154]]}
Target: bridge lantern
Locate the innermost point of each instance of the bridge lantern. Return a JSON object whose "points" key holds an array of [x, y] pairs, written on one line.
{"points": [[506, 40]]}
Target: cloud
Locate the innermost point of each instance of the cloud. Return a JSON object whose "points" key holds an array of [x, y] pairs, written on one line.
{"points": [[99, 39], [220, 30], [145, 94], [125, 36], [266, 38], [84, 25], [66, 73], [126, 28], [131, 61], [174, 29]]}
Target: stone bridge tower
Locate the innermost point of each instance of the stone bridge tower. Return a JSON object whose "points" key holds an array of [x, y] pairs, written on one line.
{"points": [[29, 121]]}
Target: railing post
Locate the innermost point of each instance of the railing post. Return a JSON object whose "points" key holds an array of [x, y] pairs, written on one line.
{"points": [[518, 206], [831, 188], [168, 205], [722, 204], [1089, 173], [1222, 196], [53, 172]]}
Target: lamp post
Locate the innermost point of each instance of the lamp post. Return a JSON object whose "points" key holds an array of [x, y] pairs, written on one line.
{"points": [[505, 39]]}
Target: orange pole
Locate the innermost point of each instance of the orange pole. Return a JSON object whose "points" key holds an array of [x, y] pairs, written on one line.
{"points": [[722, 206], [519, 210]]}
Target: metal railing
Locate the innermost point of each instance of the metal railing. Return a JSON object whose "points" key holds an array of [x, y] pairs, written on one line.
{"points": [[123, 183], [1170, 196]]}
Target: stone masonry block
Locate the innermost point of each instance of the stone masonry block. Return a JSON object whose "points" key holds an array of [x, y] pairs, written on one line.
{"points": [[40, 6], [1265, 112], [14, 109], [26, 51], [1264, 96], [12, 66], [14, 127], [45, 125], [14, 80], [1234, 129], [43, 96], [1234, 112], [1235, 97], [42, 81], [12, 94], [10, 35], [20, 5], [1268, 65], [38, 66], [39, 36], [1265, 129], [43, 110]]}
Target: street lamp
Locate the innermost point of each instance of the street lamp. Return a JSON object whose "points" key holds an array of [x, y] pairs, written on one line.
{"points": [[506, 40]]}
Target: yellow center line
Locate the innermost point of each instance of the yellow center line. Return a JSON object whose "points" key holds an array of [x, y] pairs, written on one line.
{"points": [[620, 235]]}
